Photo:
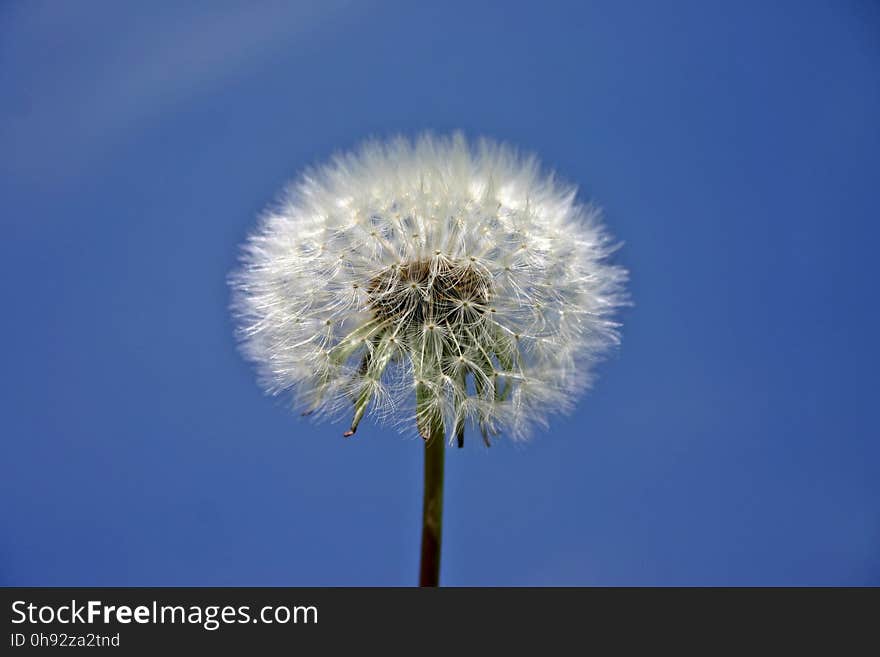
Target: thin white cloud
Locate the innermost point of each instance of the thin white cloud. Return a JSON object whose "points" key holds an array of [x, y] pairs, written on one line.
{"points": [[83, 76]]}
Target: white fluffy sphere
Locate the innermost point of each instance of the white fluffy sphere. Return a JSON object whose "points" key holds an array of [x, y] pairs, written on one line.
{"points": [[458, 275]]}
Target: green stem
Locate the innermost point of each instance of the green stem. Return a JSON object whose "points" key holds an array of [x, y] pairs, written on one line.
{"points": [[432, 507]]}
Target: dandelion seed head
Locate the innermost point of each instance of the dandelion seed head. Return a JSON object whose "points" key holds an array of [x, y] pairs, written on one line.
{"points": [[458, 272]]}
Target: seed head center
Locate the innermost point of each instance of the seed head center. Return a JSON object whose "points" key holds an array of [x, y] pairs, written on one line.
{"points": [[433, 291]]}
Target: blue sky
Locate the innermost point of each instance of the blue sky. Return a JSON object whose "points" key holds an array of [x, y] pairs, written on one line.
{"points": [[734, 147]]}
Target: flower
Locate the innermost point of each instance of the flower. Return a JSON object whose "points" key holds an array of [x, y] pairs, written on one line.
{"points": [[437, 280]]}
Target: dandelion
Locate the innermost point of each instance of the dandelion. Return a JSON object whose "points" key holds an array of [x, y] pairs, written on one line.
{"points": [[435, 284]]}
